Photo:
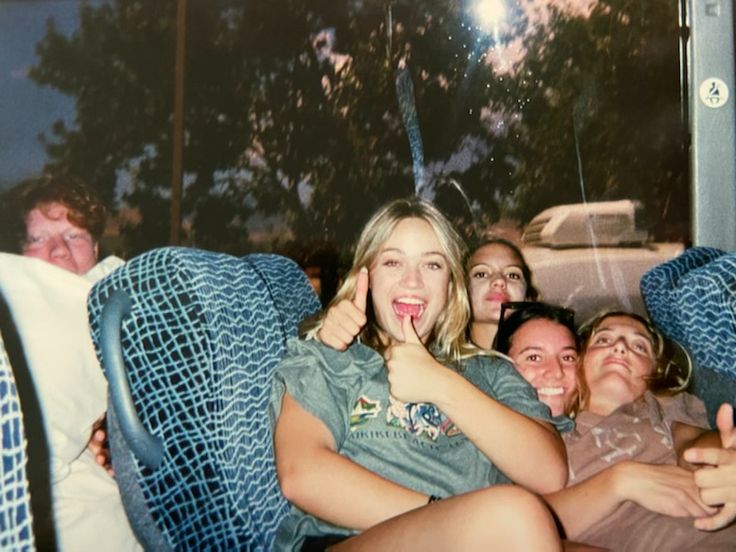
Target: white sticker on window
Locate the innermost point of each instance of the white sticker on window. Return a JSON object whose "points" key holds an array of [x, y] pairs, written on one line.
{"points": [[713, 92]]}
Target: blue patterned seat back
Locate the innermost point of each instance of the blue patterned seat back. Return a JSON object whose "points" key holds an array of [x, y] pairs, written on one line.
{"points": [[692, 299], [205, 333], [15, 512]]}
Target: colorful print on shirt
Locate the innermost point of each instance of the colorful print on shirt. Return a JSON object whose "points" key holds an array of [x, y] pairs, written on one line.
{"points": [[421, 419], [363, 410]]}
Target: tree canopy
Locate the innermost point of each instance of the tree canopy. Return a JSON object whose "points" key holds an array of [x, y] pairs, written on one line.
{"points": [[291, 112]]}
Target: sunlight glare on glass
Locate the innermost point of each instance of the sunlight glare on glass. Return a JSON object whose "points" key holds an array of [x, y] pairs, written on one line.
{"points": [[489, 14]]}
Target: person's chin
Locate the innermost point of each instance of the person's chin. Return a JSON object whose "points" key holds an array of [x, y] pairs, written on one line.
{"points": [[556, 406], [616, 389], [489, 315]]}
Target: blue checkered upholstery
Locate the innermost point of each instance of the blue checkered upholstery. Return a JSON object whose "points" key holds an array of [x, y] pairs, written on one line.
{"points": [[205, 333], [15, 515], [692, 299]]}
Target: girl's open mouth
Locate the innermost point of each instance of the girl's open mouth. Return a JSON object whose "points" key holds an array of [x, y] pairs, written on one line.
{"points": [[409, 307]]}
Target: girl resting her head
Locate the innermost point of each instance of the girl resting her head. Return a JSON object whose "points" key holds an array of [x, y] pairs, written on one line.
{"points": [[627, 491], [627, 468], [367, 439], [542, 342]]}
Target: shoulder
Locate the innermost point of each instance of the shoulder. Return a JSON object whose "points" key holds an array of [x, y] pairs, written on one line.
{"points": [[357, 360], [682, 407], [494, 371], [490, 364], [497, 376]]}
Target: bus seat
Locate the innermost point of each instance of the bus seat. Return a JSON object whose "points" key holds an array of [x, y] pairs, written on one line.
{"points": [[692, 299], [15, 503], [198, 335]]}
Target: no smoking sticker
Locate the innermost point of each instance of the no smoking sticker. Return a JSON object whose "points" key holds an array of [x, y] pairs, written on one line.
{"points": [[713, 92]]}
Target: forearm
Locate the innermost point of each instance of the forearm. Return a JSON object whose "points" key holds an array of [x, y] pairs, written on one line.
{"points": [[516, 444], [318, 480], [581, 506]]}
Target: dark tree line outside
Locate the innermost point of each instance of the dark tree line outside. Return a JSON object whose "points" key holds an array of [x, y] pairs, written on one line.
{"points": [[291, 114]]}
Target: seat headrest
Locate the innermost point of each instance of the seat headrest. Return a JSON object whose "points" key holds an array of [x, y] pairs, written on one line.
{"points": [[205, 333]]}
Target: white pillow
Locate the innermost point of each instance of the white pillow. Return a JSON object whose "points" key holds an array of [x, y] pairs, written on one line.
{"points": [[49, 308]]}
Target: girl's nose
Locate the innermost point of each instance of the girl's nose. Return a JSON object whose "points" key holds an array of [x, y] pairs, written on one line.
{"points": [[498, 279], [554, 369], [412, 277], [620, 345]]}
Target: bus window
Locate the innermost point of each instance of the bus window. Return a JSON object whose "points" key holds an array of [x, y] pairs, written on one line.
{"points": [[300, 118]]}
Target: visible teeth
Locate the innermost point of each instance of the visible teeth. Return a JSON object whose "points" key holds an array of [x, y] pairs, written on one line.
{"points": [[410, 300], [550, 391], [409, 307]]}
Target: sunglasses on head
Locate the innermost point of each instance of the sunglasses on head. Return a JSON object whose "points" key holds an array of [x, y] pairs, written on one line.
{"points": [[537, 307], [514, 314]]}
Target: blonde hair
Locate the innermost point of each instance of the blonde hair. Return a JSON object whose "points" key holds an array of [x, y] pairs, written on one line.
{"points": [[667, 376], [448, 336]]}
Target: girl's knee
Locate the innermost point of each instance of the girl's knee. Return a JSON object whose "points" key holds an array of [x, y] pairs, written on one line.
{"points": [[512, 498], [524, 517]]}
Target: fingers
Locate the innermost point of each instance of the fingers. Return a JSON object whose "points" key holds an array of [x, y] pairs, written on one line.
{"points": [[99, 436], [335, 336], [341, 324], [717, 484], [103, 459], [724, 418], [717, 521], [96, 442], [710, 456], [664, 489], [724, 422], [361, 290], [410, 334], [717, 495]]}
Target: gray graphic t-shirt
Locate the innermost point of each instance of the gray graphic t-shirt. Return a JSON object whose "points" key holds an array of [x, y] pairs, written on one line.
{"points": [[413, 444]]}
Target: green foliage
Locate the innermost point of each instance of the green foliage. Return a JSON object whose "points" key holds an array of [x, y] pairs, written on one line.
{"points": [[291, 112], [612, 80]]}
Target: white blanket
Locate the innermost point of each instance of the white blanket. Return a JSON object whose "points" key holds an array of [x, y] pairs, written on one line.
{"points": [[48, 306]]}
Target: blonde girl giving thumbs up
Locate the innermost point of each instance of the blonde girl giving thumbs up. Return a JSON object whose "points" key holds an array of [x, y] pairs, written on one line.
{"points": [[367, 440]]}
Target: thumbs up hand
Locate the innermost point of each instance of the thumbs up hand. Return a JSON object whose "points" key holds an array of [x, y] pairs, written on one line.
{"points": [[345, 320], [413, 373], [717, 478]]}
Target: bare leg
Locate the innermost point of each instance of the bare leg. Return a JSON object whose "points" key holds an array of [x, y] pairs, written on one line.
{"points": [[495, 518]]}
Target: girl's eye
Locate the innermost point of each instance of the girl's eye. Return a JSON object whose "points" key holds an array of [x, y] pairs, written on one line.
{"points": [[391, 263], [641, 347], [513, 276], [479, 274], [534, 357], [573, 359], [434, 265], [601, 340]]}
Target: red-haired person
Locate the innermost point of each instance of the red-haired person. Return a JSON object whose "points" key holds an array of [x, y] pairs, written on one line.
{"points": [[60, 220]]}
